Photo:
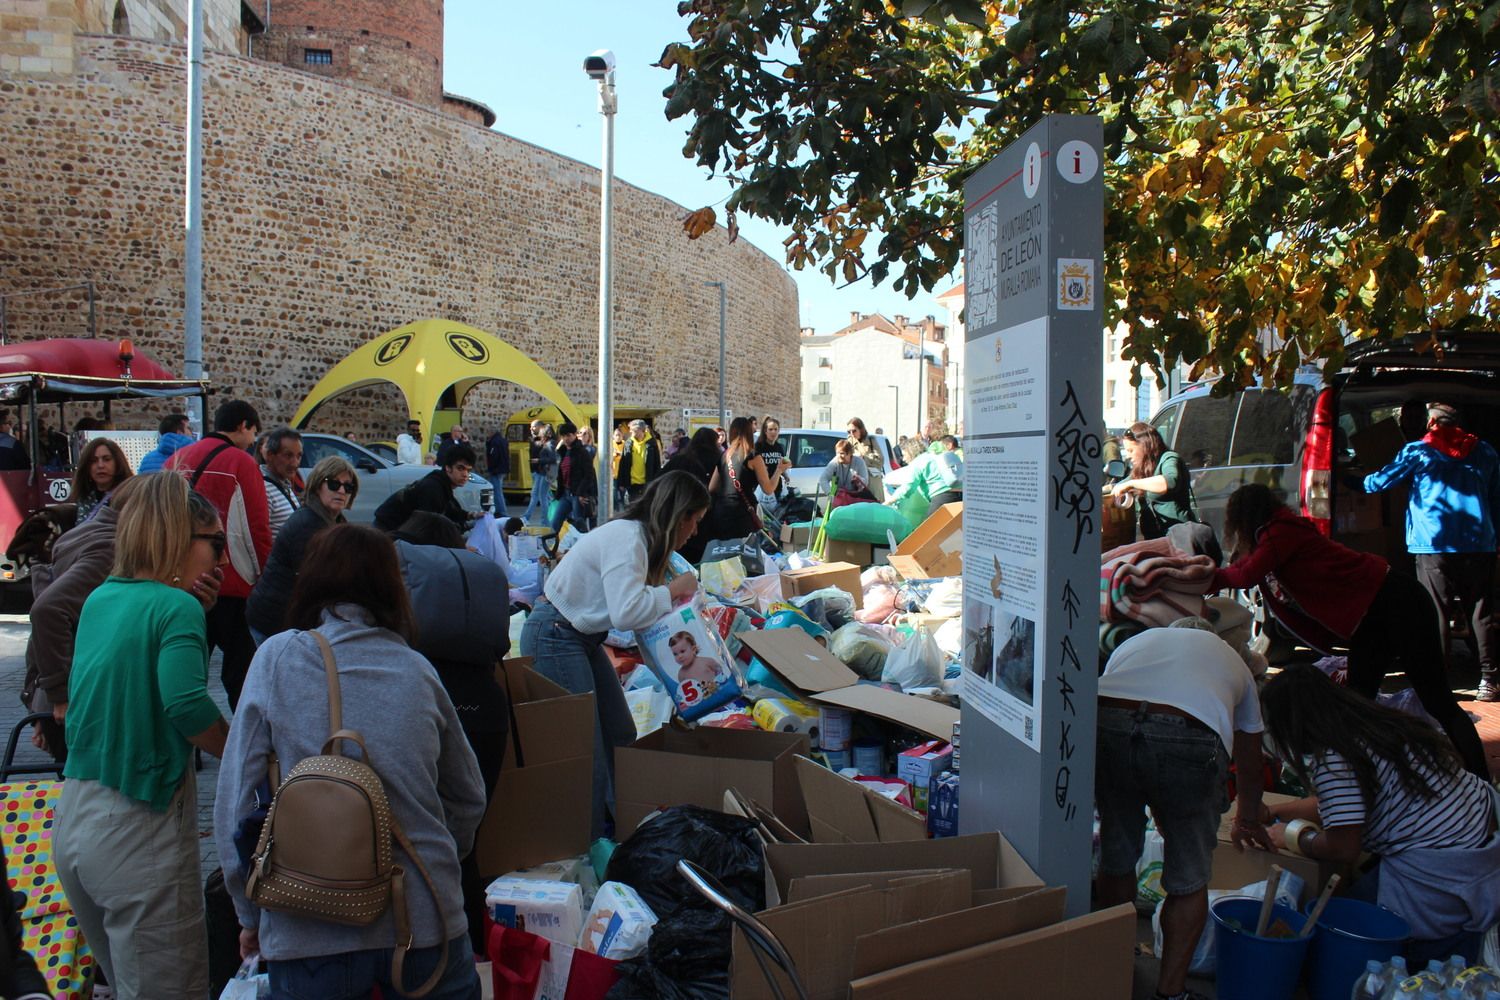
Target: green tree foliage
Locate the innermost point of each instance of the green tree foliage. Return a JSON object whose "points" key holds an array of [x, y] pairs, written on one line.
{"points": [[1323, 168]]}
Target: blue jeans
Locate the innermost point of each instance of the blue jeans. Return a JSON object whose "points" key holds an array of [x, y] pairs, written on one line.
{"points": [[353, 974], [497, 483], [576, 661], [1178, 769], [541, 496]]}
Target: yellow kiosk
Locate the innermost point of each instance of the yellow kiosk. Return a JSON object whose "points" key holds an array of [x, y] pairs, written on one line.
{"points": [[427, 358], [518, 433]]}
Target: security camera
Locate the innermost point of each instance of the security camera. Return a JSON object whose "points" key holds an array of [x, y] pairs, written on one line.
{"points": [[599, 65]]}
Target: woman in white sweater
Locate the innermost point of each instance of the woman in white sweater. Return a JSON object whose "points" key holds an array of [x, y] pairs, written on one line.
{"points": [[617, 576]]}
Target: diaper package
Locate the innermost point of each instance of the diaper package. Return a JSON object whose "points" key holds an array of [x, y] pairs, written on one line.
{"points": [[619, 925], [553, 910]]}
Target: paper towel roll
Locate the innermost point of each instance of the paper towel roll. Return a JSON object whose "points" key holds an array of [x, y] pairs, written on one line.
{"points": [[782, 715]]}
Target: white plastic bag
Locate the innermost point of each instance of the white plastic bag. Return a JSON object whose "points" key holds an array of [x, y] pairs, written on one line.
{"points": [[947, 597], [1148, 871], [486, 539], [650, 707], [916, 663], [1204, 963], [863, 649], [247, 984]]}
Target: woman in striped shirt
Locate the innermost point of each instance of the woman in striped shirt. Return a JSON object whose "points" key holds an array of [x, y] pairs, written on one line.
{"points": [[1388, 784]]}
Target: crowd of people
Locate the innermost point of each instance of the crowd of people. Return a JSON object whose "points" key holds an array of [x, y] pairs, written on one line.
{"points": [[385, 638]]}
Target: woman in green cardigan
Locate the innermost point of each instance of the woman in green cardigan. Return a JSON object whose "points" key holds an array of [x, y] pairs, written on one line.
{"points": [[126, 836]]}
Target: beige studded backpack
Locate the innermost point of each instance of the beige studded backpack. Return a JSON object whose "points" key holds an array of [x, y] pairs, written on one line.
{"points": [[325, 849]]}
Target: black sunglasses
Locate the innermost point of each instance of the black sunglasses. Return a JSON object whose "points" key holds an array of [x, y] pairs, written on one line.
{"points": [[339, 486], [219, 541]]}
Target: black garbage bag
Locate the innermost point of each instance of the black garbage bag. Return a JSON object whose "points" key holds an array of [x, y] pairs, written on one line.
{"points": [[685, 960], [688, 958], [725, 846]]}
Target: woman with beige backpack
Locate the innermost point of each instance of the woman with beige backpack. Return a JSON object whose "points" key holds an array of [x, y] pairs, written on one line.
{"points": [[352, 881]]}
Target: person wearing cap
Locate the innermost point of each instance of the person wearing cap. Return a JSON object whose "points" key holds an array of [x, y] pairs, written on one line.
{"points": [[1176, 705], [1454, 490]]}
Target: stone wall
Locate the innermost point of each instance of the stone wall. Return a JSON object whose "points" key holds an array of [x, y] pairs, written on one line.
{"points": [[333, 214], [394, 47]]}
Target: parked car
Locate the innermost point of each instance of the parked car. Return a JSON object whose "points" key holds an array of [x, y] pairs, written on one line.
{"points": [[809, 451], [379, 478]]}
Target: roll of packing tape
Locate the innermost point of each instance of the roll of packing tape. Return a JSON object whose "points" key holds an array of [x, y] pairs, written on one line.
{"points": [[1294, 831]]}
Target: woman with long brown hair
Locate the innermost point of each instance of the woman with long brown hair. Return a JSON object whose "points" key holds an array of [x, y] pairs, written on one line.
{"points": [[101, 467], [733, 483], [1161, 488], [865, 447]]}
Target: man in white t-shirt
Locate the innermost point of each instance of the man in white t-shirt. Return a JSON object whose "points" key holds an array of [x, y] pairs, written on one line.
{"points": [[1174, 705], [409, 445]]}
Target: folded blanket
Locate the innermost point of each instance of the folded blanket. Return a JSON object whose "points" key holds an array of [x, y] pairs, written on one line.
{"points": [[1153, 583]]}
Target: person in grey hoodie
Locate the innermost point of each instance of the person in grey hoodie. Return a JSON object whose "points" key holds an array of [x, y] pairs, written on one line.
{"points": [[350, 591]]}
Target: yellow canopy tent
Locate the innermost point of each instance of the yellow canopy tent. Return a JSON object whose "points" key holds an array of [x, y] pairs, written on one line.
{"points": [[424, 359]]}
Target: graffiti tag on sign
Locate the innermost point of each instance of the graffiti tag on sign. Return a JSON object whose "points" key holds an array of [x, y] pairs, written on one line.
{"points": [[1068, 661], [469, 348], [1078, 450], [391, 349]]}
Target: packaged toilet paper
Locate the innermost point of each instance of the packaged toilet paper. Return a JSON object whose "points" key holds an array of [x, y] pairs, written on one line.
{"points": [[553, 910], [784, 715], [619, 925]]}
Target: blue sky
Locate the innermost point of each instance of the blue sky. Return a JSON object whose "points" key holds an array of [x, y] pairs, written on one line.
{"points": [[525, 61]]}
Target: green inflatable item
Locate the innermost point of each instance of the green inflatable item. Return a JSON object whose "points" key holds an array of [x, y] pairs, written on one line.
{"points": [[868, 522], [913, 506]]}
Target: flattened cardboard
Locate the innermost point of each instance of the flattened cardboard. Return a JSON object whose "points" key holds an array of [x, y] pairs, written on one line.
{"points": [[845, 576], [812, 886], [989, 857], [840, 811], [820, 933], [950, 932], [1087, 958], [935, 549], [555, 733], [806, 665], [675, 766]]}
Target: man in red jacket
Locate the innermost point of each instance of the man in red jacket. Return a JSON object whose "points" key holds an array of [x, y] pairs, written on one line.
{"points": [[222, 470]]}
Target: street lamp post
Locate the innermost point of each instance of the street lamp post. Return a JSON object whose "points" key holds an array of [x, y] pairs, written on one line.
{"points": [[896, 423], [192, 267], [601, 69], [723, 305]]}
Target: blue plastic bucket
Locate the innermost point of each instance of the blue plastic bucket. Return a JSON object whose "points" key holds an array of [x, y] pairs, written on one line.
{"points": [[1350, 933], [1250, 967]]}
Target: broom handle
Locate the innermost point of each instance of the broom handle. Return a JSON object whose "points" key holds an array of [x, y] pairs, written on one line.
{"points": [[1272, 882], [1317, 910]]}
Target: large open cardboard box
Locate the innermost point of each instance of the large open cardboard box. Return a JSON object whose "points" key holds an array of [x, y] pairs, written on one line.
{"points": [[936, 548], [675, 766], [843, 575], [840, 811], [1235, 869], [798, 659], [549, 763]]}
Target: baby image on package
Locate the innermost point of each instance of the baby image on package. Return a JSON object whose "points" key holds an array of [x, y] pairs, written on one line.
{"points": [[685, 652]]}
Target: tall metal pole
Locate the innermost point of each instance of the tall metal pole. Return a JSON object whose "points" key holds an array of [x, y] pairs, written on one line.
{"points": [[921, 377], [896, 425], [723, 306], [607, 107], [192, 313]]}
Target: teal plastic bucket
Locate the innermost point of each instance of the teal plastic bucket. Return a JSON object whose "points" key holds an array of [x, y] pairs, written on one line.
{"points": [[1250, 967], [1350, 933]]}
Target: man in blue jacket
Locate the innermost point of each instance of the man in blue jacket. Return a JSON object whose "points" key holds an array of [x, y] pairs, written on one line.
{"points": [[1450, 526]]}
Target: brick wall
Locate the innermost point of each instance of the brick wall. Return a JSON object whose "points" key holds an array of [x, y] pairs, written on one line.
{"points": [[394, 47], [333, 214]]}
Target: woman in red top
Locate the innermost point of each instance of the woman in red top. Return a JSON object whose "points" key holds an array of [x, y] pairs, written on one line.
{"points": [[1329, 595]]}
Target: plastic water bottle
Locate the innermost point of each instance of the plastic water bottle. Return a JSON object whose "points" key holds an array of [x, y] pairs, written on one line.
{"points": [[1396, 974], [1452, 968], [1371, 985]]}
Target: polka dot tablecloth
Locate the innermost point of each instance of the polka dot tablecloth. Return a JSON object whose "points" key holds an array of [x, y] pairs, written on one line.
{"points": [[49, 930]]}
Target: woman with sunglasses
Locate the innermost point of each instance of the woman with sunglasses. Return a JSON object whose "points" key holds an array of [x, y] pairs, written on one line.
{"points": [[331, 488], [1160, 486], [125, 841]]}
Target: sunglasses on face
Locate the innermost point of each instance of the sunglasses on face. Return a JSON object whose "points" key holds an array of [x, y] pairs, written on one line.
{"points": [[1128, 436], [218, 541], [339, 486]]}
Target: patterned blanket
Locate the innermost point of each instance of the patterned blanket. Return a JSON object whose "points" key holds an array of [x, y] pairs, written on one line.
{"points": [[49, 930], [1153, 583]]}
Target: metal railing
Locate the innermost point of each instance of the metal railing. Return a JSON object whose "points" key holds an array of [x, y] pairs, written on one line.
{"points": [[87, 286]]}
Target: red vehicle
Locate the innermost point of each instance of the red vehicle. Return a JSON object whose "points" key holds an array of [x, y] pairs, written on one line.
{"points": [[35, 377]]}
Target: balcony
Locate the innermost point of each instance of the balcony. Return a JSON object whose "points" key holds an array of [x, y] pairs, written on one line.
{"points": [[822, 398]]}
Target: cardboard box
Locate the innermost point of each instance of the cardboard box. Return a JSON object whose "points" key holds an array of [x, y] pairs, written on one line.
{"points": [[1234, 869], [919, 765], [857, 553], [798, 536], [845, 576], [549, 759], [936, 548], [808, 667], [675, 766], [840, 811]]}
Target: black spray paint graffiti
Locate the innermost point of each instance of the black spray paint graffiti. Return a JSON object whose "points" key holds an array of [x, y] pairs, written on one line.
{"points": [[1068, 661], [1078, 451]]}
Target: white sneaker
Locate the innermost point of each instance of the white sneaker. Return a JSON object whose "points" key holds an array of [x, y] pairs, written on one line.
{"points": [[104, 993]]}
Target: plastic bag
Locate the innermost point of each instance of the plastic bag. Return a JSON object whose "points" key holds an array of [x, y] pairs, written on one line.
{"points": [[950, 638], [764, 590], [487, 539], [725, 846], [650, 707], [247, 984], [747, 550], [947, 597], [862, 649], [1204, 963], [880, 604], [684, 649], [525, 579], [835, 607], [1148, 892], [916, 663], [879, 576], [722, 576], [685, 960]]}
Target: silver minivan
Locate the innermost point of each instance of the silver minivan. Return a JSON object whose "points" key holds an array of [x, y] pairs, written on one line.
{"points": [[809, 450], [378, 479]]}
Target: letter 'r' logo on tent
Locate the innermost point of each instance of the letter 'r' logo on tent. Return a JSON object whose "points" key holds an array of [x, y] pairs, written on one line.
{"points": [[468, 348], [391, 349]]}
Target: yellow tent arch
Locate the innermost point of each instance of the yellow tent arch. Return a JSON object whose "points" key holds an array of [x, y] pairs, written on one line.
{"points": [[426, 358]]}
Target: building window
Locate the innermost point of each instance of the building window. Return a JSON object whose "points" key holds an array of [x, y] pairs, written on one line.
{"points": [[824, 388], [1110, 399], [825, 362], [121, 23], [317, 57], [825, 417]]}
